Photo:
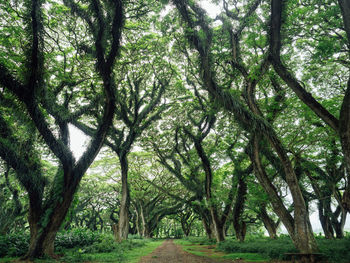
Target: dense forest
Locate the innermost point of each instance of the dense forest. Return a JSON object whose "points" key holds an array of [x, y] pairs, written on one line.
{"points": [[215, 118]]}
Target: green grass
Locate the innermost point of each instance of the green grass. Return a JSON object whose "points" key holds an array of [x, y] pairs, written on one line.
{"points": [[196, 249], [183, 242], [131, 255], [333, 250], [6, 259], [253, 257], [134, 255]]}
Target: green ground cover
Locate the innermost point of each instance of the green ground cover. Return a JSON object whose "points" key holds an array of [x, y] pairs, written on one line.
{"points": [[204, 247], [263, 248], [81, 246]]}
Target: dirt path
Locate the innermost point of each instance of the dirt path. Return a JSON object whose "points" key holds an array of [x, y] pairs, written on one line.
{"points": [[169, 252]]}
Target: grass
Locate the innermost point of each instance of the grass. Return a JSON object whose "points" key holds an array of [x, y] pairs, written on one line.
{"points": [[6, 259], [132, 255], [252, 257], [210, 251], [332, 250]]}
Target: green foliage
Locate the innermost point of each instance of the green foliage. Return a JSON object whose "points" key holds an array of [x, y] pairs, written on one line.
{"points": [[333, 250], [200, 240], [251, 257], [14, 245], [77, 245], [76, 238]]}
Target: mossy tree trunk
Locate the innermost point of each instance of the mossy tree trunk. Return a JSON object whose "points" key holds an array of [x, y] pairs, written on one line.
{"points": [[43, 110]]}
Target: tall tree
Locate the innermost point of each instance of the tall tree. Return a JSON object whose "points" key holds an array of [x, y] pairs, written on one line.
{"points": [[46, 96], [340, 9], [201, 35]]}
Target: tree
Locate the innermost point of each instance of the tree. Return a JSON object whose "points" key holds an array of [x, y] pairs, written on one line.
{"points": [[11, 204], [200, 35], [150, 183], [29, 82], [340, 125]]}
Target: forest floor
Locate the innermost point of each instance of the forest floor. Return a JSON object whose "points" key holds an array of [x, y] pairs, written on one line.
{"points": [[169, 252]]}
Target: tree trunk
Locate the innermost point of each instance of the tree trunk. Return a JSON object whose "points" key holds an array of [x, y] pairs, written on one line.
{"points": [[269, 224], [219, 227], [338, 226], [123, 226], [115, 231], [138, 221], [299, 227], [238, 224], [208, 228], [323, 214], [344, 132], [44, 225]]}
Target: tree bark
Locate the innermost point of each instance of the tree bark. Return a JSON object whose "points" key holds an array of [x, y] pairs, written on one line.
{"points": [[123, 224], [208, 228], [44, 224], [239, 225], [269, 224], [341, 126], [344, 132], [299, 227], [325, 221]]}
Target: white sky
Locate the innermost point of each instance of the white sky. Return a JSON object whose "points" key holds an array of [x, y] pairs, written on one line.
{"points": [[78, 141]]}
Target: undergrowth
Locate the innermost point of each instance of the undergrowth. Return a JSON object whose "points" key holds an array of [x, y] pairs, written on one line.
{"points": [[332, 250], [76, 245]]}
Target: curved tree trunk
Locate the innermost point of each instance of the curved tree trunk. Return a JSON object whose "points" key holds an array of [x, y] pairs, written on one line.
{"points": [[299, 227]]}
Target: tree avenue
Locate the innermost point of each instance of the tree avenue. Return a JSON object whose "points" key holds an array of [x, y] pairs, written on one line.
{"points": [[209, 124]]}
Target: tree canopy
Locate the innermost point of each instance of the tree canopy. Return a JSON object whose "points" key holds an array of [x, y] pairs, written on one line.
{"points": [[239, 118]]}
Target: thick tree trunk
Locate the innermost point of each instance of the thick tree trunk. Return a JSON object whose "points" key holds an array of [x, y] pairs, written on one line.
{"points": [[299, 227], [208, 228], [186, 227], [44, 225], [219, 227], [323, 213], [339, 230], [269, 224], [338, 225], [123, 226]]}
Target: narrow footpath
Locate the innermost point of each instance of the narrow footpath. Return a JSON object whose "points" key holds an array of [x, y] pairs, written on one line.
{"points": [[169, 252]]}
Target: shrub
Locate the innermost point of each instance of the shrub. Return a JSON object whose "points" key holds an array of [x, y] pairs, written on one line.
{"points": [[14, 245], [333, 250], [200, 240], [76, 238], [79, 242], [274, 249]]}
